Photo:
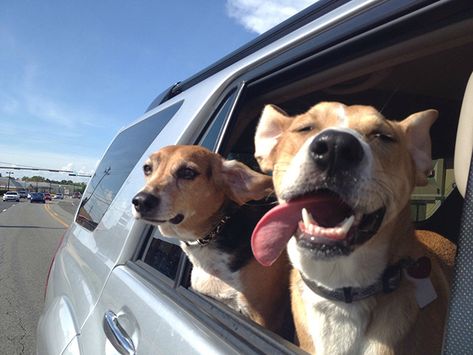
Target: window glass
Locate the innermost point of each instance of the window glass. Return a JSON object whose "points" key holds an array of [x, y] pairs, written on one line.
{"points": [[120, 158], [211, 136], [163, 256]]}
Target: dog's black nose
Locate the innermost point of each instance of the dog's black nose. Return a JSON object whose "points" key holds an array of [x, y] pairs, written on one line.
{"points": [[334, 151], [145, 202]]}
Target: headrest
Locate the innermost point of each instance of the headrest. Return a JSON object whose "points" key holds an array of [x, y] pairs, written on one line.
{"points": [[464, 142]]}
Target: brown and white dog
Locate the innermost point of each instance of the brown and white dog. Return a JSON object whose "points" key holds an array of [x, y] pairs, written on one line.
{"points": [[198, 197], [343, 176]]}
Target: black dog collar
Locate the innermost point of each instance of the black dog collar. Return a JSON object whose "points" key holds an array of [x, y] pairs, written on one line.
{"points": [[389, 281], [201, 242]]}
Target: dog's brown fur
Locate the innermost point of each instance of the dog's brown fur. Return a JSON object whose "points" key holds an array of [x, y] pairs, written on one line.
{"points": [[395, 323], [258, 292]]}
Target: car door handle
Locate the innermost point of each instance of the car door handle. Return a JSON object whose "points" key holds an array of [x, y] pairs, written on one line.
{"points": [[117, 335]]}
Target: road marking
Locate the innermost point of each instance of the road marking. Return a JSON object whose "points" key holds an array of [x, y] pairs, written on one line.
{"points": [[55, 216]]}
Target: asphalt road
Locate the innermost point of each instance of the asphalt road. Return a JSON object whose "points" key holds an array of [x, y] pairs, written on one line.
{"points": [[29, 235]]}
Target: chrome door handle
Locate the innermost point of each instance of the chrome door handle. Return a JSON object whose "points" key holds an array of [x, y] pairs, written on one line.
{"points": [[117, 335]]}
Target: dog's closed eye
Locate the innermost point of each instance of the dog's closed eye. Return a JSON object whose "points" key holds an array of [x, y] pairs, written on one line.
{"points": [[304, 128], [383, 137], [186, 173]]}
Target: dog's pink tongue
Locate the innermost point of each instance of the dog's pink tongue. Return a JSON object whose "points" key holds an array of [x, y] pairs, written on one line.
{"points": [[277, 226]]}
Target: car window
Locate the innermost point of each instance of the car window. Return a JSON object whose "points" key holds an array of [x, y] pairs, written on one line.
{"points": [[392, 89], [120, 158], [212, 134], [162, 254]]}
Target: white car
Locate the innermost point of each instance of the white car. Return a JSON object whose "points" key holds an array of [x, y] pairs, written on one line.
{"points": [[11, 196], [117, 286]]}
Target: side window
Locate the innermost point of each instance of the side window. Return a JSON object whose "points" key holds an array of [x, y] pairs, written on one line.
{"points": [[116, 165], [212, 134], [394, 91], [162, 254]]}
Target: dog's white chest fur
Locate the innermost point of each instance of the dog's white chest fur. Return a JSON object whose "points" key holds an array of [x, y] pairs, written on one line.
{"points": [[336, 328], [211, 276]]}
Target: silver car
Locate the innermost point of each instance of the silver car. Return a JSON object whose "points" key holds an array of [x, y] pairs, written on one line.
{"points": [[11, 196], [117, 286]]}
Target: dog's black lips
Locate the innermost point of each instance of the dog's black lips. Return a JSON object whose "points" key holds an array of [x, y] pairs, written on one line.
{"points": [[175, 220]]}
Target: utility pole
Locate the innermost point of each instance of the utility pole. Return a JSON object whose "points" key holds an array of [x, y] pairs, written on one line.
{"points": [[9, 173]]}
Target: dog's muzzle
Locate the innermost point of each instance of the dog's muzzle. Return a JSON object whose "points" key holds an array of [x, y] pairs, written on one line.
{"points": [[146, 205]]}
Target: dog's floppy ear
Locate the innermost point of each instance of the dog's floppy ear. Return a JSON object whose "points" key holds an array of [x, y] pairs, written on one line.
{"points": [[241, 184], [271, 125], [416, 128]]}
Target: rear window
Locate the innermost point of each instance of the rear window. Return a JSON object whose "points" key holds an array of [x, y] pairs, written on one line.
{"points": [[120, 158]]}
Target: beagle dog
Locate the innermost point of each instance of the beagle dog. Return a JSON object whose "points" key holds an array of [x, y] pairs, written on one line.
{"points": [[362, 282], [201, 199]]}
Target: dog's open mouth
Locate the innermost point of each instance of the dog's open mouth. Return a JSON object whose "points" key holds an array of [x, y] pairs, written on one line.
{"points": [[321, 222]]}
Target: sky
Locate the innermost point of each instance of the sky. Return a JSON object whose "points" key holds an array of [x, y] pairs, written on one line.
{"points": [[73, 72]]}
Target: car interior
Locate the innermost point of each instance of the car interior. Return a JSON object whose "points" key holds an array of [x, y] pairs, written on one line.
{"points": [[428, 71]]}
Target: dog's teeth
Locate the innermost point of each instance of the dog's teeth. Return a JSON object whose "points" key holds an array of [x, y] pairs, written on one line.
{"points": [[346, 224], [307, 218]]}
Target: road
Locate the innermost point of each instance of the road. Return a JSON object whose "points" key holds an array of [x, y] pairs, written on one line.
{"points": [[29, 235]]}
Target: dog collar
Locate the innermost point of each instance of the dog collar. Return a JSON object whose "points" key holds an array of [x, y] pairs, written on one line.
{"points": [[201, 242], [389, 281]]}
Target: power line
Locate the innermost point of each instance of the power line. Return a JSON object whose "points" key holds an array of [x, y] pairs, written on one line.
{"points": [[70, 172]]}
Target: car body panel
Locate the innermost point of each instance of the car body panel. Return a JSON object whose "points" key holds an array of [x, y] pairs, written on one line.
{"points": [[153, 321], [58, 319]]}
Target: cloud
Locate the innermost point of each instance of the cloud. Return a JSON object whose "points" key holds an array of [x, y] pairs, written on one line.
{"points": [[259, 16]]}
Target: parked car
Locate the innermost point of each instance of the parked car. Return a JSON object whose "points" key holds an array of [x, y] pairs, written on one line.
{"points": [[47, 196], [23, 193], [11, 196], [76, 194], [37, 197], [59, 196], [116, 284]]}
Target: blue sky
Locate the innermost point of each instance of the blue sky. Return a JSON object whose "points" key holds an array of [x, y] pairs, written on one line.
{"points": [[73, 72]]}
